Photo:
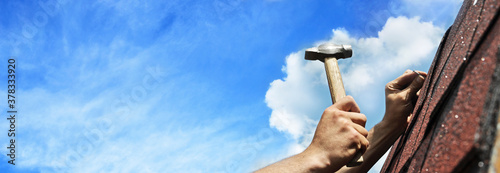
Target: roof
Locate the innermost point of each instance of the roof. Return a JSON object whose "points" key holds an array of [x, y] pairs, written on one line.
{"points": [[455, 118]]}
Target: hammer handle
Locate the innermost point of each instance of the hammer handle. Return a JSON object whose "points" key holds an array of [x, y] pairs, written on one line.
{"points": [[335, 83], [337, 91]]}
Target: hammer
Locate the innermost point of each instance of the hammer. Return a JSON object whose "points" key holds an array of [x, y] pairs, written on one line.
{"points": [[329, 53]]}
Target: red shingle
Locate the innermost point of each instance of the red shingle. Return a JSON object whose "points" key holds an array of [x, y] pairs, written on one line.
{"points": [[455, 117]]}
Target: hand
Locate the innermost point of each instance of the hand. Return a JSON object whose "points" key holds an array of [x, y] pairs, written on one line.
{"points": [[340, 134], [401, 95]]}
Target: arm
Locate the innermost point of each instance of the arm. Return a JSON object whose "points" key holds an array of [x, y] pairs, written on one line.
{"points": [[381, 138], [401, 95], [340, 133]]}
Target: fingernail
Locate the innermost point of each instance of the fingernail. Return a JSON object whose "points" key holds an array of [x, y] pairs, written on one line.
{"points": [[420, 78], [408, 71]]}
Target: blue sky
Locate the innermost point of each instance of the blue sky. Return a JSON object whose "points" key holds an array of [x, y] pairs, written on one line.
{"points": [[191, 86]]}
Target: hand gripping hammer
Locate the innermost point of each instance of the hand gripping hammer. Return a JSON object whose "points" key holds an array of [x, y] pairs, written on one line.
{"points": [[329, 53]]}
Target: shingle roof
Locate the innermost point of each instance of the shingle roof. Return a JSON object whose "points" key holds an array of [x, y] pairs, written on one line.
{"points": [[454, 124]]}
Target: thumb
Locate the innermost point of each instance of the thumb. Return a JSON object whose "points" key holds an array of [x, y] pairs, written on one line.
{"points": [[415, 86]]}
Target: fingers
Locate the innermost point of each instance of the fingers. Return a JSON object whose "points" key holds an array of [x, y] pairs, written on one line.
{"points": [[408, 119], [357, 118], [415, 85], [424, 74], [361, 141], [347, 104], [364, 145], [350, 110], [360, 129], [404, 80]]}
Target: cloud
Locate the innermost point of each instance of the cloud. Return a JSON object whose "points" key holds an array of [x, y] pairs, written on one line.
{"points": [[400, 44], [62, 131], [88, 70], [297, 101]]}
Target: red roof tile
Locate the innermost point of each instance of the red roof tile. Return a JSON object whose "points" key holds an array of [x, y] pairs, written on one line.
{"points": [[456, 115]]}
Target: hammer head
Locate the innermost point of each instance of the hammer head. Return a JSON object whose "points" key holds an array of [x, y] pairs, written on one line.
{"points": [[328, 50]]}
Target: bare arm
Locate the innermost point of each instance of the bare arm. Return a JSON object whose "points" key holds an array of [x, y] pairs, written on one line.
{"points": [[401, 95], [307, 161], [340, 133]]}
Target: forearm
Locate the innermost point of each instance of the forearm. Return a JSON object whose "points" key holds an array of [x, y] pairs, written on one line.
{"points": [[381, 138], [307, 161], [340, 132]]}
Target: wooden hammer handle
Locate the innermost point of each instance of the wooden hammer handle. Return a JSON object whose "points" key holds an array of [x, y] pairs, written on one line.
{"points": [[335, 83], [337, 91]]}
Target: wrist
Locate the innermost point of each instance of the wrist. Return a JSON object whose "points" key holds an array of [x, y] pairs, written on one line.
{"points": [[390, 128], [316, 160]]}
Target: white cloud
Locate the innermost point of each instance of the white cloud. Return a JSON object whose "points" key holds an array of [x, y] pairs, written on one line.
{"points": [[305, 77], [61, 130], [60, 127], [400, 44], [297, 101]]}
